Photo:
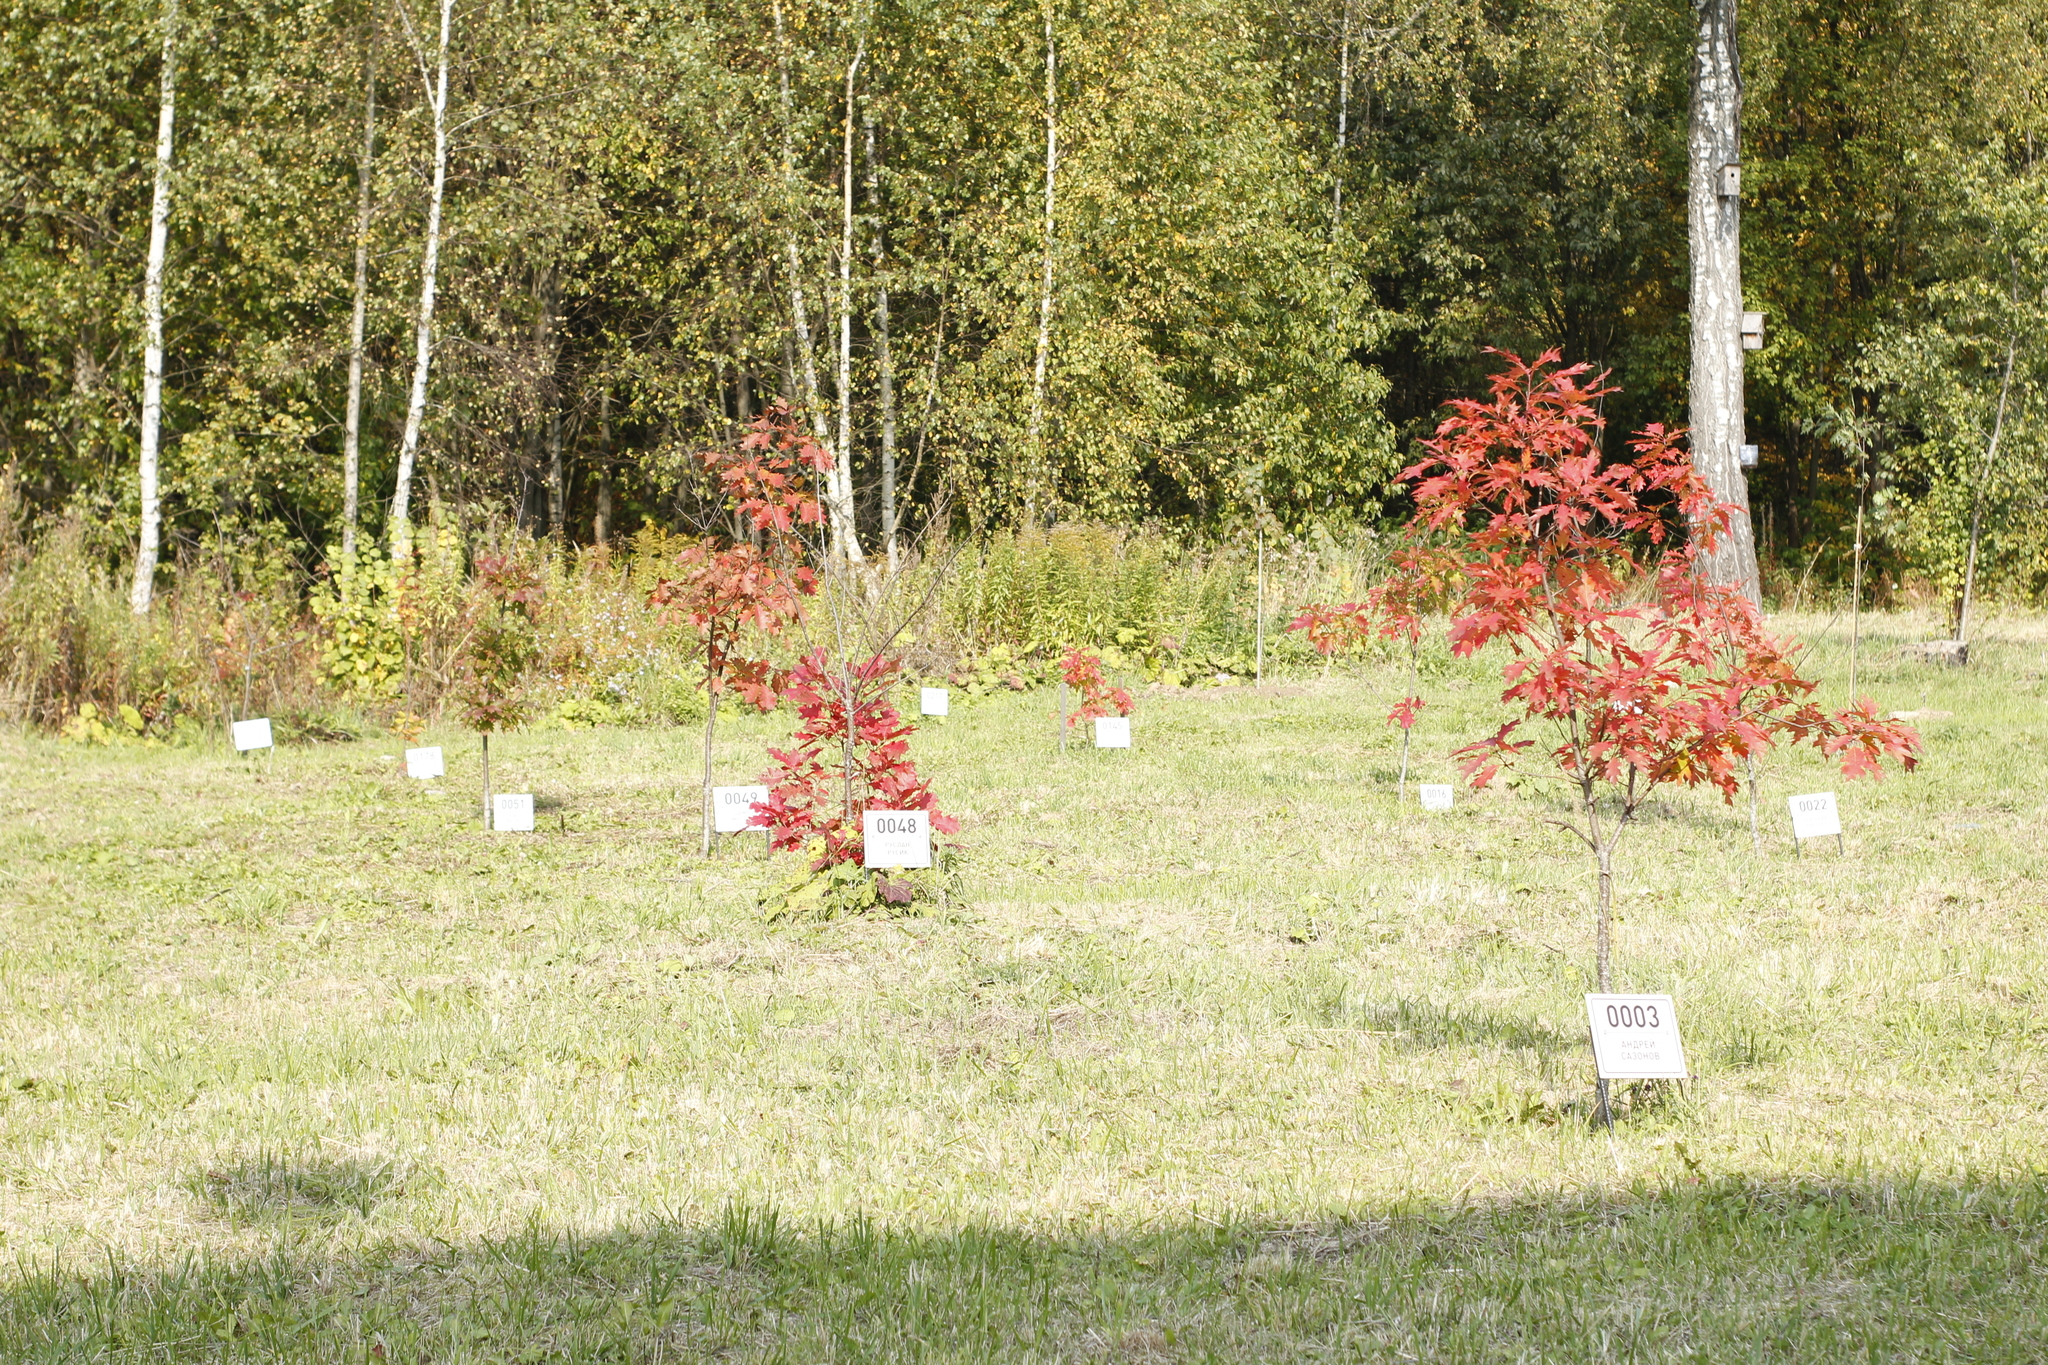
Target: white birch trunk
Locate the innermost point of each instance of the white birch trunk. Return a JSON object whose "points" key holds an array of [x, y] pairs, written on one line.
{"points": [[1038, 479], [151, 529], [843, 457], [885, 364], [838, 499], [423, 335], [1977, 497], [1715, 223], [352, 420]]}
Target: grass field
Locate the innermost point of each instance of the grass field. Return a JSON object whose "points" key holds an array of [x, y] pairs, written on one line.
{"points": [[1216, 1053]]}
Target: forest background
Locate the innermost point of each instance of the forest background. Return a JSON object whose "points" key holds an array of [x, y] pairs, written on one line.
{"points": [[1275, 240]]}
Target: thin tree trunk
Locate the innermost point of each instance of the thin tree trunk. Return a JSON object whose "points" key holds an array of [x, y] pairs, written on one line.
{"points": [[601, 519], [487, 779], [1856, 577], [885, 365], [423, 334], [352, 419], [1037, 481], [838, 497], [1343, 122], [150, 532], [1977, 496], [1715, 223], [844, 455], [1337, 151], [1756, 838], [549, 347], [710, 731], [1259, 627]]}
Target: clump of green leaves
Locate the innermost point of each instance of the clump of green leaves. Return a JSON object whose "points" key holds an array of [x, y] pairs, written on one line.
{"points": [[357, 605]]}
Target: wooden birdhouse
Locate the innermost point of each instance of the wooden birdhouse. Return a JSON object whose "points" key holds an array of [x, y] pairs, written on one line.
{"points": [[1731, 182], [1752, 331]]}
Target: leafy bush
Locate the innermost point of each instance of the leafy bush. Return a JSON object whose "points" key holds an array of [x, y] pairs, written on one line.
{"points": [[358, 605]]}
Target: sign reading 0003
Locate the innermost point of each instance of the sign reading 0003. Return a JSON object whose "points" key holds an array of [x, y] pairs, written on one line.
{"points": [[1635, 1037]]}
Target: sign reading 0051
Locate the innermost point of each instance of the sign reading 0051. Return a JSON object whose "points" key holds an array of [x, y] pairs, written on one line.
{"points": [[896, 838], [512, 812], [1635, 1037]]}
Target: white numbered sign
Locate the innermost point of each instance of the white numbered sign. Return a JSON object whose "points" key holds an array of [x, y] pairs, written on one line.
{"points": [[896, 838], [932, 701], [1112, 732], [1814, 816], [732, 807], [512, 812], [1435, 795], [251, 734], [424, 763], [1635, 1037]]}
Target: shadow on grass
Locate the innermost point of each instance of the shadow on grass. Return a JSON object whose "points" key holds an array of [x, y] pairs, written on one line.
{"points": [[1423, 1026], [1723, 1270]]}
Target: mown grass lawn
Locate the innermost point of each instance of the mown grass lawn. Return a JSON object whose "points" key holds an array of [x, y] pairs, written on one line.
{"points": [[1216, 1053]]}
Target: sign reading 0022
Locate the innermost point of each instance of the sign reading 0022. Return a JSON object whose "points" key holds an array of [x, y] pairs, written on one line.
{"points": [[1815, 816], [1635, 1037], [896, 838]]}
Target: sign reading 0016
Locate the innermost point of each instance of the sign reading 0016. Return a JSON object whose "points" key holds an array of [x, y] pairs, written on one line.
{"points": [[896, 838], [1635, 1037]]}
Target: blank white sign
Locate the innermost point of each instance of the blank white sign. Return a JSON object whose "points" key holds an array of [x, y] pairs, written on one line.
{"points": [[512, 812], [1814, 815], [896, 838], [1435, 795], [932, 701], [1112, 732], [251, 734], [1635, 1037], [424, 763], [732, 807]]}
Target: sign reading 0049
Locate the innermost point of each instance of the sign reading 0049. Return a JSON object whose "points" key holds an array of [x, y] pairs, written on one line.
{"points": [[1635, 1037]]}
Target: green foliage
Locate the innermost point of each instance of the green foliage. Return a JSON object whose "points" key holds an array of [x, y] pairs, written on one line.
{"points": [[358, 605], [847, 888]]}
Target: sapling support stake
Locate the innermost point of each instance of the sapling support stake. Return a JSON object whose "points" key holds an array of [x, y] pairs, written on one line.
{"points": [[1259, 665], [487, 779], [1414, 678], [1756, 839]]}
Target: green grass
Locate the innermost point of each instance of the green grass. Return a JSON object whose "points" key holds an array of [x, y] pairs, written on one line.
{"points": [[1216, 1054]]}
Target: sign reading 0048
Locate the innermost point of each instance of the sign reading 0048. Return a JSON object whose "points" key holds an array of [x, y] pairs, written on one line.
{"points": [[1635, 1037], [896, 838]]}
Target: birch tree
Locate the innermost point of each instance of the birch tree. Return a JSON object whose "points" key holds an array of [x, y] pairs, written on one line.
{"points": [[1714, 219], [352, 419], [885, 364], [1037, 478], [838, 497], [430, 261], [150, 531]]}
